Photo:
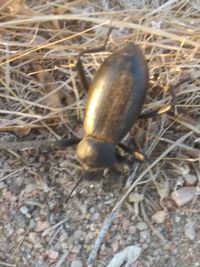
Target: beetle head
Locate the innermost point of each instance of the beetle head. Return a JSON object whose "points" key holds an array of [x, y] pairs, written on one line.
{"points": [[95, 153]]}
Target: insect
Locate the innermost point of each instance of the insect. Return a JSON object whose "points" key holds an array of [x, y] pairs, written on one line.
{"points": [[115, 100]]}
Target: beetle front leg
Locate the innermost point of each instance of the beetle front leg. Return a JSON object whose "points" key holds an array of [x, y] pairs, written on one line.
{"points": [[153, 113], [79, 65], [133, 151]]}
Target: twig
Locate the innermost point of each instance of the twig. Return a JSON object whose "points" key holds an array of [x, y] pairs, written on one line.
{"points": [[146, 219], [104, 229], [2, 263], [46, 232], [21, 242], [127, 256], [150, 224], [16, 171], [62, 259]]}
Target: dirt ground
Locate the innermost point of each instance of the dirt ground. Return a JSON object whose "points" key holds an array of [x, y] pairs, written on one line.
{"points": [[41, 99]]}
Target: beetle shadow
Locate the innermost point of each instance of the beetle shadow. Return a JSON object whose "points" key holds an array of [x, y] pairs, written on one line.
{"points": [[109, 178]]}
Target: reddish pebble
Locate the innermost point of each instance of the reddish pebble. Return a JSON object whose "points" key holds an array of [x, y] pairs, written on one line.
{"points": [[41, 226], [184, 195], [126, 225], [190, 179], [52, 255]]}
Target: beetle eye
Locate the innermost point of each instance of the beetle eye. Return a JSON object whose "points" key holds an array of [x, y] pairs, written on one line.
{"points": [[95, 153]]}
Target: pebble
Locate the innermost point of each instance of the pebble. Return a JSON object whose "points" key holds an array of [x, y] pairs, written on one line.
{"points": [[92, 210], [2, 185], [76, 263], [141, 226], [131, 230], [115, 243], [159, 216], [115, 246], [8, 230], [126, 225], [184, 195], [77, 235], [52, 255], [93, 227], [33, 238], [41, 226], [91, 235], [190, 231], [190, 179], [24, 210], [177, 219], [29, 188], [122, 243], [19, 181], [42, 159], [75, 249], [95, 216], [144, 235], [135, 197], [20, 231]]}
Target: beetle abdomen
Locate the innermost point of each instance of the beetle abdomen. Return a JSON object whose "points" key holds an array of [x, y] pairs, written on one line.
{"points": [[116, 95]]}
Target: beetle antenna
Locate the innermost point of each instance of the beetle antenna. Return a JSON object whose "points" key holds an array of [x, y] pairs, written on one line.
{"points": [[74, 188]]}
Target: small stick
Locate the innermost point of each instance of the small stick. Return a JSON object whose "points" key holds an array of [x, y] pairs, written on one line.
{"points": [[104, 229], [37, 144]]}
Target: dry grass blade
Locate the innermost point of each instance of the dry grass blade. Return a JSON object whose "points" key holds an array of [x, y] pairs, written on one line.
{"points": [[7, 264]]}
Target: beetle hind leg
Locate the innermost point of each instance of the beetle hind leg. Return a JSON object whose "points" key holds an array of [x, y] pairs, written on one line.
{"points": [[67, 142], [168, 107], [79, 65]]}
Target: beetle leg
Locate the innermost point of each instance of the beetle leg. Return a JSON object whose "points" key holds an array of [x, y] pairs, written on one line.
{"points": [[153, 113], [134, 152], [79, 65], [166, 108], [66, 142]]}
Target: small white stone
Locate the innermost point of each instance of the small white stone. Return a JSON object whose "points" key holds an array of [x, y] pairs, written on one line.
{"points": [[189, 231], [24, 210], [142, 226], [76, 263], [159, 216]]}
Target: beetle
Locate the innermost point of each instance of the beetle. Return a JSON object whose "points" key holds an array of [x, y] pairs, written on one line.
{"points": [[115, 99]]}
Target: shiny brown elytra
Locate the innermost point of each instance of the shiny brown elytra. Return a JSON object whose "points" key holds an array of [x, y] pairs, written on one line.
{"points": [[116, 97]]}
